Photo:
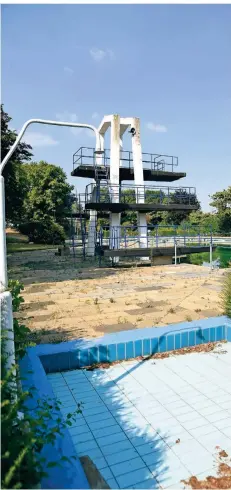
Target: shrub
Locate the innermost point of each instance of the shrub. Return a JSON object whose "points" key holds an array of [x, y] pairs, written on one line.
{"points": [[46, 231], [226, 295], [24, 437]]}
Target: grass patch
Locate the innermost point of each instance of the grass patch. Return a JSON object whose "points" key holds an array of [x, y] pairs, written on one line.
{"points": [[17, 246]]}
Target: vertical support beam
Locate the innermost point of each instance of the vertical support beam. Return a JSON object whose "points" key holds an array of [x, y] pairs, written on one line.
{"points": [[3, 262], [211, 251], [175, 248], [115, 180], [93, 214], [139, 180], [92, 233]]}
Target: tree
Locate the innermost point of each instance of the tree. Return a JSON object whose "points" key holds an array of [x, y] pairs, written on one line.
{"points": [[15, 179], [222, 202], [48, 193]]}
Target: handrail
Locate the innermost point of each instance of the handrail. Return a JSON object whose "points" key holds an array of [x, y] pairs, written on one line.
{"points": [[101, 192], [84, 153]]}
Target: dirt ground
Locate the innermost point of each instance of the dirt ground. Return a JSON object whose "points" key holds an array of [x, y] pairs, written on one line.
{"points": [[66, 298]]}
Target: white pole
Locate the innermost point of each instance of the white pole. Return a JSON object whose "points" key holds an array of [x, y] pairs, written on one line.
{"points": [[211, 254], [175, 246], [3, 262], [51, 123], [7, 327]]}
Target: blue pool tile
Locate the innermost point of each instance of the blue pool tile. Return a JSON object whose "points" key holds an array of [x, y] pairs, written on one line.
{"points": [[146, 347], [46, 362], [184, 339], [154, 345], [192, 338], [129, 350], [199, 337], [212, 334], [112, 352], [74, 359], [206, 333], [93, 355], [84, 358], [121, 352], [60, 362], [103, 353], [229, 334], [133, 477], [219, 333], [170, 342], [162, 344], [177, 341], [138, 348]]}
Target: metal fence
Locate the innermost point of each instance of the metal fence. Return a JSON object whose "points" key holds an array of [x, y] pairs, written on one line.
{"points": [[152, 161], [130, 193]]}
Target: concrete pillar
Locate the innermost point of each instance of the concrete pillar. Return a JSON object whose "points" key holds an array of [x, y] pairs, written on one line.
{"points": [[139, 180], [115, 180], [91, 242], [92, 233]]}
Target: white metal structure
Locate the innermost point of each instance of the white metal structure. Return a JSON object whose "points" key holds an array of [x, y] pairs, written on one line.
{"points": [[119, 125]]}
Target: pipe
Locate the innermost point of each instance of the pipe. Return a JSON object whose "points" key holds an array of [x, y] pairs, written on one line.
{"points": [[3, 262], [51, 123]]}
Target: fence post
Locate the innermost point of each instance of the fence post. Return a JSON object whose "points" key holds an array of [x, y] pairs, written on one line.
{"points": [[211, 251], [175, 247]]}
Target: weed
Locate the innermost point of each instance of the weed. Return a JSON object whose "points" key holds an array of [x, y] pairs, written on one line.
{"points": [[112, 300], [122, 320], [139, 319], [96, 301], [197, 310], [188, 318], [171, 310], [226, 295]]}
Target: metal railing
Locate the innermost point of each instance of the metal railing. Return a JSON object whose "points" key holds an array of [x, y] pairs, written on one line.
{"points": [[131, 194], [156, 236], [152, 161]]}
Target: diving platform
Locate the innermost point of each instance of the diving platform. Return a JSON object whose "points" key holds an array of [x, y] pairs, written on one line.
{"points": [[156, 167], [146, 198]]}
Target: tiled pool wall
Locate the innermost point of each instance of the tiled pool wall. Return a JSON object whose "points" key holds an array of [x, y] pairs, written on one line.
{"points": [[48, 358], [133, 343]]}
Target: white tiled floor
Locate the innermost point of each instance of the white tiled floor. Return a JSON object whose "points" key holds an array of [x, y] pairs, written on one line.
{"points": [[133, 414]]}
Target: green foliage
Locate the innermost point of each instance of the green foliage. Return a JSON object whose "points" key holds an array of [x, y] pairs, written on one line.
{"points": [[46, 231], [48, 193], [23, 438], [24, 433], [14, 175], [226, 295], [222, 202], [20, 331]]}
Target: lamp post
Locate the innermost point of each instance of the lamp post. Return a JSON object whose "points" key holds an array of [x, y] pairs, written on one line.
{"points": [[3, 261], [5, 296]]}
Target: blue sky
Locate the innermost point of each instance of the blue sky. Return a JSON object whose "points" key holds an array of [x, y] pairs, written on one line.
{"points": [[170, 65]]}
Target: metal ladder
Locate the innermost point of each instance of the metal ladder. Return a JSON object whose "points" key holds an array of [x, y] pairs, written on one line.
{"points": [[101, 177]]}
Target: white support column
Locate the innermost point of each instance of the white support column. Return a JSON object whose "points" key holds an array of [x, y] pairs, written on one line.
{"points": [[115, 180], [91, 242], [92, 233], [139, 180]]}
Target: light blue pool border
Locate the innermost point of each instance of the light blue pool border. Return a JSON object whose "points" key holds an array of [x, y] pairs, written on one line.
{"points": [[48, 358]]}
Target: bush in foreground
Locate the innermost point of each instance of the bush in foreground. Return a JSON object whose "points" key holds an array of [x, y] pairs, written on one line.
{"points": [[25, 433], [226, 295], [46, 231]]}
